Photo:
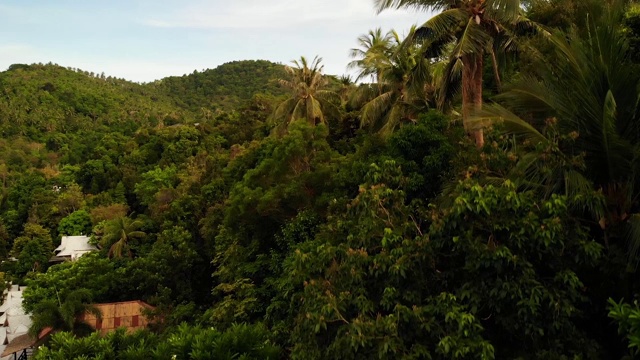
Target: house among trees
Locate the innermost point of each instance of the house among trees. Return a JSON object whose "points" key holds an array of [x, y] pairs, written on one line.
{"points": [[127, 314], [14, 325], [71, 248], [18, 344]]}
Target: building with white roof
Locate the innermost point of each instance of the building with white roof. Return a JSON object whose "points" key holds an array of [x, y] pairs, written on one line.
{"points": [[72, 247], [14, 322]]}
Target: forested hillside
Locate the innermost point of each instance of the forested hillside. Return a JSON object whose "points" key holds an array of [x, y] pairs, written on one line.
{"points": [[473, 192], [225, 87], [46, 99]]}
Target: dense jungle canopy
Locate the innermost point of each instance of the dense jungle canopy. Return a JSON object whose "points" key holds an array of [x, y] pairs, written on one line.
{"points": [[470, 192]]}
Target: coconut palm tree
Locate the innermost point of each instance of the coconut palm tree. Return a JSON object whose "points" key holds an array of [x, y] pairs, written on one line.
{"points": [[476, 27], [309, 98], [118, 234], [347, 86], [405, 88], [589, 92], [64, 315], [372, 54]]}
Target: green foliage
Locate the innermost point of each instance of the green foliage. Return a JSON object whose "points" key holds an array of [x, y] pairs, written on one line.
{"points": [[628, 318], [168, 273], [564, 14], [239, 341], [309, 97], [373, 274], [185, 343], [118, 235], [370, 285], [52, 98], [516, 261], [71, 199], [334, 242], [632, 30], [404, 83], [77, 223], [224, 87], [425, 150], [291, 174], [92, 272], [63, 313], [32, 248], [153, 181], [115, 345]]}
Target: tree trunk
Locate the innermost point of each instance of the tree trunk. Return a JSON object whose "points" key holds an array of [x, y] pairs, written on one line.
{"points": [[496, 73], [472, 95]]}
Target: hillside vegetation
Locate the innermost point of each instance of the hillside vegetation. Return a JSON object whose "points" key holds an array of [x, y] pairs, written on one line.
{"points": [[225, 87], [474, 194]]}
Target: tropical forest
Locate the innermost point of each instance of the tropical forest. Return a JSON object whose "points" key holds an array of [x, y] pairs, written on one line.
{"points": [[467, 190]]}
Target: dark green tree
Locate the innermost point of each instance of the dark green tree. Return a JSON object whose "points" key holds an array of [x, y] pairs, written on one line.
{"points": [[32, 248], [64, 314], [77, 223]]}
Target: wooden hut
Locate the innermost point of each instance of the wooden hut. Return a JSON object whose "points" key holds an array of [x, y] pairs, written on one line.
{"points": [[127, 314]]}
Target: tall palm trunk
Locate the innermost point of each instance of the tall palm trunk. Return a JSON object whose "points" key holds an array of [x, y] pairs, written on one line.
{"points": [[472, 94]]}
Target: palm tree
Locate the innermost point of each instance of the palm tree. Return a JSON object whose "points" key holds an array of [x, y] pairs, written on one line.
{"points": [[372, 55], [405, 88], [118, 234], [475, 27], [64, 315], [309, 99], [347, 85], [589, 91]]}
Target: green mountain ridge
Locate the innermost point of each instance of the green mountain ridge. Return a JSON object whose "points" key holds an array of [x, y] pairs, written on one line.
{"points": [[42, 98], [224, 87], [37, 99]]}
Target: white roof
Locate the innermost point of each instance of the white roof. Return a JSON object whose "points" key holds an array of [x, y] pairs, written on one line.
{"points": [[12, 299], [71, 245], [62, 245], [17, 320], [18, 329]]}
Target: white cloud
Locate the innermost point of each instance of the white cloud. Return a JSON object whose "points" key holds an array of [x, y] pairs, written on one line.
{"points": [[254, 14], [140, 70], [17, 53], [15, 49], [183, 35]]}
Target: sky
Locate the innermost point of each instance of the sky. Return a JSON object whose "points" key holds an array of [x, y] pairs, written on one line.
{"points": [[146, 40]]}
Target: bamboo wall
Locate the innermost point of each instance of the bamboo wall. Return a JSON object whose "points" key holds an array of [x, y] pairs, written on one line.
{"points": [[127, 314]]}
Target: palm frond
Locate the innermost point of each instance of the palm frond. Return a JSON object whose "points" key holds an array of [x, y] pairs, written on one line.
{"points": [[376, 109], [284, 108], [577, 187], [450, 82], [632, 234], [421, 5], [495, 113], [298, 112], [474, 40], [118, 248], [530, 94], [504, 11], [46, 314], [393, 118], [363, 94], [444, 25]]}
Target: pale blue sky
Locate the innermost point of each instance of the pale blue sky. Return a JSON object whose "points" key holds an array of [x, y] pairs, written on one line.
{"points": [[144, 40]]}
